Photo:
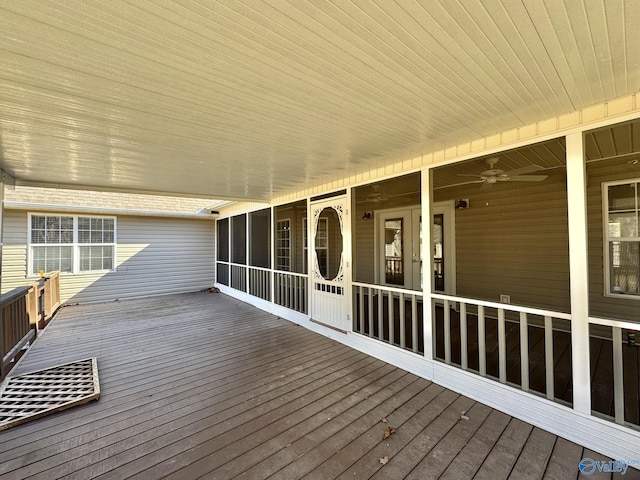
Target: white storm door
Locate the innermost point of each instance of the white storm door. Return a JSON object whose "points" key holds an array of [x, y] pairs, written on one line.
{"points": [[329, 263]]}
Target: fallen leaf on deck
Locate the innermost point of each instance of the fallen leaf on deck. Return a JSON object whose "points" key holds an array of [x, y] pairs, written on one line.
{"points": [[384, 460], [384, 420], [463, 416], [388, 432]]}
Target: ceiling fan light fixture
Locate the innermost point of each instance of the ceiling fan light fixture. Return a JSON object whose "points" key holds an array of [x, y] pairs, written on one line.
{"points": [[495, 175]]}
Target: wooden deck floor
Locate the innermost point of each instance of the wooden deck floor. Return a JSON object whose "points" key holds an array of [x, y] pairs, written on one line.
{"points": [[203, 386]]}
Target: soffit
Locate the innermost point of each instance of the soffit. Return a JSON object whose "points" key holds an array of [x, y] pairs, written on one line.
{"points": [[241, 100]]}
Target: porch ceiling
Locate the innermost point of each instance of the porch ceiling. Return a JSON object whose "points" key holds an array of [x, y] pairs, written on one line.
{"points": [[250, 100]]}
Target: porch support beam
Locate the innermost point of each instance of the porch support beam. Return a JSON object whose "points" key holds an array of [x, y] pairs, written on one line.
{"points": [[578, 270], [5, 179], [427, 262]]}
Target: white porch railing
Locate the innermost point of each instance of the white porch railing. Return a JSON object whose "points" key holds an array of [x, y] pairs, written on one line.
{"points": [[290, 290], [260, 282], [507, 342], [615, 385], [239, 277], [392, 315], [222, 273]]}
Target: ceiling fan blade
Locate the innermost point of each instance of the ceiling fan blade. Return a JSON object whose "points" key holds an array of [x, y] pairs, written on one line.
{"points": [[523, 170], [527, 178], [467, 175]]}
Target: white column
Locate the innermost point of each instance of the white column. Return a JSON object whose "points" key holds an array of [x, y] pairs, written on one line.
{"points": [[2, 178], [272, 254], [347, 243], [578, 270], [427, 263]]}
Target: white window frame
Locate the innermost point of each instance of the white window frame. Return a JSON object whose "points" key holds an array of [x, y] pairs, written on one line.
{"points": [[277, 266], [75, 245], [606, 239]]}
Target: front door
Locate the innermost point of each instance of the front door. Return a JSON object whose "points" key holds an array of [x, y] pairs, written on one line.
{"points": [[330, 265], [400, 260]]}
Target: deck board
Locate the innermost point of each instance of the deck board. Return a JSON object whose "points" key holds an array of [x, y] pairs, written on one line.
{"points": [[204, 386]]}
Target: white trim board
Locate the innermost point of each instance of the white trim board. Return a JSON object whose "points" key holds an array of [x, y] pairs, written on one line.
{"points": [[602, 436]]}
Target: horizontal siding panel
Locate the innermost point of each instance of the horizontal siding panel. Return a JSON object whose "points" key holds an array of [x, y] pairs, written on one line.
{"points": [[513, 239], [154, 256], [14, 250]]}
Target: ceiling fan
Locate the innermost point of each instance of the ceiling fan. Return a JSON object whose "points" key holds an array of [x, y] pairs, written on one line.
{"points": [[376, 196], [495, 175]]}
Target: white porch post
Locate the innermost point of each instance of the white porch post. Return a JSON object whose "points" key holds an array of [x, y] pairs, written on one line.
{"points": [[272, 254], [578, 270], [3, 175], [3, 180], [427, 259]]}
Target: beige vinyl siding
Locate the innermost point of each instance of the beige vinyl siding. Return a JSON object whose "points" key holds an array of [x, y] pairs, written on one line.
{"points": [[154, 256], [14, 250], [599, 304], [513, 240], [363, 245]]}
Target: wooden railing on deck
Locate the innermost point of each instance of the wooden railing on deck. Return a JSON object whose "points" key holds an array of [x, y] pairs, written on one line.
{"points": [[51, 294], [22, 311], [19, 314]]}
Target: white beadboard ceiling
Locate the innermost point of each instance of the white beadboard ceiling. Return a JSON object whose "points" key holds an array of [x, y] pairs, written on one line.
{"points": [[250, 99]]}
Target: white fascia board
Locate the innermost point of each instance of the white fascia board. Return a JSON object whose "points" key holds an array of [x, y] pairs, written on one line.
{"points": [[40, 207]]}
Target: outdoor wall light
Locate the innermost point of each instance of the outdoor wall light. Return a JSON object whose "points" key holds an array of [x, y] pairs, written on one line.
{"points": [[462, 203], [367, 215]]}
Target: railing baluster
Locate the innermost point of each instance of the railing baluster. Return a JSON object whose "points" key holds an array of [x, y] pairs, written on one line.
{"points": [[391, 318], [464, 358], [370, 307], [403, 334], [524, 352], [414, 323], [447, 333], [502, 347], [287, 291], [618, 378], [482, 340], [548, 357], [361, 313], [380, 315]]}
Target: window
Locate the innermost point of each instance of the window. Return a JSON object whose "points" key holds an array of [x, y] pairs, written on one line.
{"points": [[283, 245], [622, 245], [71, 244]]}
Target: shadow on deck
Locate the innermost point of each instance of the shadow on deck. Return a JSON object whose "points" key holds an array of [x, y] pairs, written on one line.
{"points": [[202, 385]]}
